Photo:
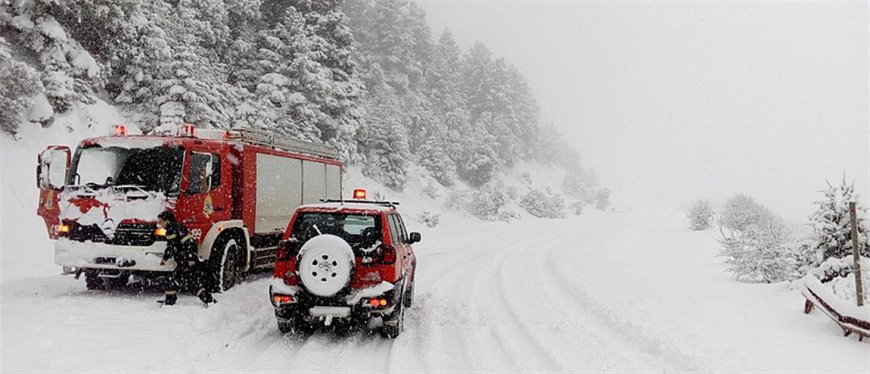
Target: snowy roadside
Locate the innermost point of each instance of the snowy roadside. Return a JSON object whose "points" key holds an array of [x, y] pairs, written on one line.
{"points": [[605, 292]]}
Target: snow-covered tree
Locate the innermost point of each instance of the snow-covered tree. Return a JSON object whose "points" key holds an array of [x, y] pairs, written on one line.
{"points": [[68, 71], [19, 83], [755, 242], [602, 199], [476, 160], [741, 211], [759, 253], [832, 222], [543, 204], [383, 142], [434, 156], [700, 215]]}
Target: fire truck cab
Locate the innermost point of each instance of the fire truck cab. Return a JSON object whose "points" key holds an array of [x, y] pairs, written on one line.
{"points": [[235, 190]]}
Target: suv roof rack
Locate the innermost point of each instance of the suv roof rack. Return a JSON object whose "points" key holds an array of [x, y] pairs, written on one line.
{"points": [[391, 204], [285, 143]]}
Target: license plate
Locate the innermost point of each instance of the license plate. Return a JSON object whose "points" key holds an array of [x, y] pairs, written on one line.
{"points": [[330, 311]]}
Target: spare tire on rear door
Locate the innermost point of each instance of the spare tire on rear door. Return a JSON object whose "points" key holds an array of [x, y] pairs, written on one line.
{"points": [[325, 265]]}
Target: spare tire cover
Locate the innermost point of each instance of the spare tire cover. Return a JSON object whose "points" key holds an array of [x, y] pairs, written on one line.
{"points": [[325, 264]]}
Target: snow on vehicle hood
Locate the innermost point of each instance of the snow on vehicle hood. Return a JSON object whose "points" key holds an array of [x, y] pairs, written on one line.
{"points": [[108, 207]]}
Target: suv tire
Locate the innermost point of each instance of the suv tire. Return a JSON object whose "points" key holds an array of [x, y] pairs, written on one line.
{"points": [[394, 324]]}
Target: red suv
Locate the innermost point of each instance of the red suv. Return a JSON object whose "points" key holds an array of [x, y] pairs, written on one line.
{"points": [[344, 262]]}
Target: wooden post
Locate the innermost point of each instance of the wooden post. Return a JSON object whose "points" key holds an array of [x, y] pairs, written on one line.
{"points": [[856, 255]]}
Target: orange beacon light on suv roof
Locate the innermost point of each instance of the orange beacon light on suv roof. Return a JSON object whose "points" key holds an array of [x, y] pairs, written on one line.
{"points": [[359, 193]]}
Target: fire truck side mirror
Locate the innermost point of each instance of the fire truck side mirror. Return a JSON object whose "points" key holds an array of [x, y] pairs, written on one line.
{"points": [[52, 167]]}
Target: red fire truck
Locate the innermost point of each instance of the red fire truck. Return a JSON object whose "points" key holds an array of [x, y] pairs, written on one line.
{"points": [[235, 190]]}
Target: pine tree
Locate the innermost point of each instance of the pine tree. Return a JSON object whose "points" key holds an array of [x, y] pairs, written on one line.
{"points": [[18, 84], [832, 222], [383, 141]]}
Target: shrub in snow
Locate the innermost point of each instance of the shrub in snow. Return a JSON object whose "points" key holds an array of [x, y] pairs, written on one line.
{"points": [[485, 203], [576, 208], [741, 211], [458, 199], [544, 204], [429, 219], [582, 185], [432, 190], [526, 177], [507, 215], [602, 199], [839, 274], [832, 222], [755, 243], [700, 215]]}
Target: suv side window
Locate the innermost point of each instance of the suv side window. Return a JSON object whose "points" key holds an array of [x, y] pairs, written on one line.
{"points": [[394, 231], [404, 234], [205, 172]]}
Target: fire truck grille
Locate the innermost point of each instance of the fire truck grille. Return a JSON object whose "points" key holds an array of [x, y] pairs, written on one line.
{"points": [[138, 234]]}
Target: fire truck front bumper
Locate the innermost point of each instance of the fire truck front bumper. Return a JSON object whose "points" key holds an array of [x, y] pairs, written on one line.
{"points": [[90, 255]]}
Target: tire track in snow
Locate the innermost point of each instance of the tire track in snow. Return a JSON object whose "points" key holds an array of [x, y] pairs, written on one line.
{"points": [[620, 326], [545, 360], [468, 278]]}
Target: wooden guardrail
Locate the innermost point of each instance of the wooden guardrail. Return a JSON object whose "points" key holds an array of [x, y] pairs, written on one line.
{"points": [[850, 318]]}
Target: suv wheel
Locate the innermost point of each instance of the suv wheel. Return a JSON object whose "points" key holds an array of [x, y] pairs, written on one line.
{"points": [[409, 296], [395, 323]]}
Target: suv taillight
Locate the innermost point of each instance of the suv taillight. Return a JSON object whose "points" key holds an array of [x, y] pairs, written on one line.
{"points": [[386, 254], [286, 250]]}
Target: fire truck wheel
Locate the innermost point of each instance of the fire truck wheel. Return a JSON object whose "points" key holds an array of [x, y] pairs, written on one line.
{"points": [[116, 283], [227, 269], [93, 281]]}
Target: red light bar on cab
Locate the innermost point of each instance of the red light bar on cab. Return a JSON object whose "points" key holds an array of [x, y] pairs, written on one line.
{"points": [[119, 130]]}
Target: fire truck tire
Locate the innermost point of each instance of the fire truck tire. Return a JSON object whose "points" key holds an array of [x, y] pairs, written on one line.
{"points": [[93, 281], [116, 283], [225, 262]]}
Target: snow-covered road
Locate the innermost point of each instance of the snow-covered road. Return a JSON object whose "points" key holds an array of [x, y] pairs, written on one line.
{"points": [[605, 292]]}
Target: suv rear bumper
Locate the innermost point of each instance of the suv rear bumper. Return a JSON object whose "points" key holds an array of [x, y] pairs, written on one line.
{"points": [[352, 306], [90, 255]]}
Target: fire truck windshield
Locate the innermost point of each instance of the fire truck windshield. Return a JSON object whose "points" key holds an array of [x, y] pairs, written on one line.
{"points": [[152, 169]]}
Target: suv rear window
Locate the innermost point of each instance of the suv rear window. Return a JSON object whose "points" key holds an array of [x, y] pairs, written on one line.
{"points": [[359, 230]]}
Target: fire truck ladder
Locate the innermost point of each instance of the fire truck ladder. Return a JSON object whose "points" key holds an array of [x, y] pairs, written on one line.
{"points": [[285, 143]]}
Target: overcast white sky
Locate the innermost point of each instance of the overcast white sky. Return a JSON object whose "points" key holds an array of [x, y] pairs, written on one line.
{"points": [[672, 101]]}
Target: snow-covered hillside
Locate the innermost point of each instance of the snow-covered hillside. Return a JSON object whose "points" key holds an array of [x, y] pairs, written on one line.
{"points": [[604, 292]]}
